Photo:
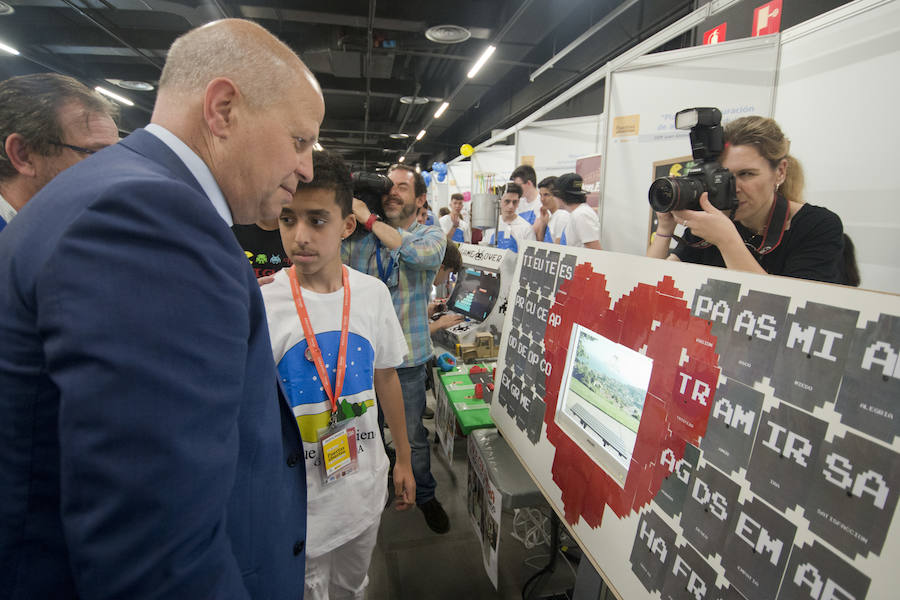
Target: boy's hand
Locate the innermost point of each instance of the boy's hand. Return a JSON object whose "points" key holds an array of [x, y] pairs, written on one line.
{"points": [[404, 486], [435, 306], [449, 320]]}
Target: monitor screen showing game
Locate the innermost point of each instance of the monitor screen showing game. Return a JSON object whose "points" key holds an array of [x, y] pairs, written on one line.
{"points": [[475, 293], [602, 398]]}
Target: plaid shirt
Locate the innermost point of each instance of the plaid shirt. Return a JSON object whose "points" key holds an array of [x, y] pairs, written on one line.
{"points": [[416, 262]]}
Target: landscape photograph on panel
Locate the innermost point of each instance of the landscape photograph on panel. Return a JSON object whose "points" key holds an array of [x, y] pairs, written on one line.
{"points": [[602, 399]]}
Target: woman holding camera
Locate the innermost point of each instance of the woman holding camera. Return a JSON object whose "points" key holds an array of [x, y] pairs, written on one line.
{"points": [[772, 230]]}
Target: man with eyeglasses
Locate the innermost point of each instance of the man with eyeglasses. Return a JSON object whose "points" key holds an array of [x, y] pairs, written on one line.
{"points": [[48, 122]]}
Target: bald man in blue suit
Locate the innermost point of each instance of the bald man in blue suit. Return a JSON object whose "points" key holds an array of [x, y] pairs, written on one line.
{"points": [[145, 448]]}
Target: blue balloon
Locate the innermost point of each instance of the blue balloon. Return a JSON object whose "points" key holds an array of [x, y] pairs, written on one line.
{"points": [[440, 170], [427, 176]]}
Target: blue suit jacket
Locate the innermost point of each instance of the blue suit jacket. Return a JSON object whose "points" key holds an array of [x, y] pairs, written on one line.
{"points": [[145, 448]]}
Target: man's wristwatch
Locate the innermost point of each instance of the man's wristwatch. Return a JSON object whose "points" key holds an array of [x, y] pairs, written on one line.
{"points": [[370, 222]]}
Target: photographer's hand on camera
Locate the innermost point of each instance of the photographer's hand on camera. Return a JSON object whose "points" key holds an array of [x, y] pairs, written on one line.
{"points": [[714, 226], [388, 235]]}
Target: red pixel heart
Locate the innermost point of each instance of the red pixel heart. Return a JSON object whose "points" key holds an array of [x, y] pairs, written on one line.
{"points": [[679, 396]]}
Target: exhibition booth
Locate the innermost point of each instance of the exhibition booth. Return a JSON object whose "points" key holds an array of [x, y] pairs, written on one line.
{"points": [[826, 81], [699, 432]]}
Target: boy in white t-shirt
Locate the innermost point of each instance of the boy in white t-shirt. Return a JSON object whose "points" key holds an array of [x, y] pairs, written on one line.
{"points": [[315, 328], [584, 225], [454, 225], [550, 225], [513, 228], [530, 201]]}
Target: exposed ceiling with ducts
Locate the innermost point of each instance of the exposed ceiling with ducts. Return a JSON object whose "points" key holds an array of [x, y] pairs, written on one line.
{"points": [[385, 67]]}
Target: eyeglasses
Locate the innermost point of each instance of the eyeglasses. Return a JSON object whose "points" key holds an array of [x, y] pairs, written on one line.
{"points": [[79, 149]]}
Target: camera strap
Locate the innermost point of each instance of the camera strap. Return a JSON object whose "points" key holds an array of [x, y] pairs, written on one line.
{"points": [[771, 235], [383, 274]]}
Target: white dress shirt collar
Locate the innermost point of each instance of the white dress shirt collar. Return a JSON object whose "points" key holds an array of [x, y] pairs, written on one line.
{"points": [[197, 168]]}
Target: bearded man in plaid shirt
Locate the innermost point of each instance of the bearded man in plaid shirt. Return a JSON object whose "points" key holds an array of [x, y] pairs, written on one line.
{"points": [[405, 255]]}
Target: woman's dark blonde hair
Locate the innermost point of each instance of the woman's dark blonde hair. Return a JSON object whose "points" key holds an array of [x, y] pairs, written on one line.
{"points": [[771, 143]]}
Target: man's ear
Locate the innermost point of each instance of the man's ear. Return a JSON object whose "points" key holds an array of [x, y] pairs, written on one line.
{"points": [[20, 155], [219, 106]]}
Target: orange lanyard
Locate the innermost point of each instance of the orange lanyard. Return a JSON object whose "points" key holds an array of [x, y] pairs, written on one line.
{"points": [[313, 345]]}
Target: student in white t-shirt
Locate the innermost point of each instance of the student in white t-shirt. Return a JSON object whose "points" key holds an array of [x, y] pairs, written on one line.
{"points": [[584, 226], [455, 227], [550, 226], [513, 228], [530, 202], [343, 513]]}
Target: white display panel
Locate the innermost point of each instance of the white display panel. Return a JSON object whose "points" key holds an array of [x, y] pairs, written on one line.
{"points": [[767, 458], [556, 145], [736, 77], [837, 102]]}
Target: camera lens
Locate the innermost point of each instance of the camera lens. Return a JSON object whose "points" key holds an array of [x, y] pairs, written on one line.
{"points": [[675, 193], [662, 195]]}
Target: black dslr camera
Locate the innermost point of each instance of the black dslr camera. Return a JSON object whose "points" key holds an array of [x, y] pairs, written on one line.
{"points": [[707, 175], [370, 188]]}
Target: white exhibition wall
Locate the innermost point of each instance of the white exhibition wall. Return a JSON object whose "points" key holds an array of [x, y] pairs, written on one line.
{"points": [[492, 164], [458, 180], [737, 77], [837, 102], [555, 145]]}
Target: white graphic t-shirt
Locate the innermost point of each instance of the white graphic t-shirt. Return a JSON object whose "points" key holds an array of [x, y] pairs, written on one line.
{"points": [[463, 232], [339, 512], [583, 227]]}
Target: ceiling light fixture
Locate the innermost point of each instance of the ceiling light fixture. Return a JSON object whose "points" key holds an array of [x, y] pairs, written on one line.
{"points": [[399, 136], [401, 159], [447, 34], [421, 135], [440, 111], [480, 63], [6, 9], [9, 49], [318, 146], [133, 85], [414, 100], [114, 96]]}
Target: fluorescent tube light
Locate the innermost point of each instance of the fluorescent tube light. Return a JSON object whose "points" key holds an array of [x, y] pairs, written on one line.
{"points": [[114, 96], [440, 111], [9, 49], [480, 63], [421, 135]]}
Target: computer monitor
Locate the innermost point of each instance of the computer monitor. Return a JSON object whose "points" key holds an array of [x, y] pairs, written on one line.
{"points": [[475, 293], [601, 399]]}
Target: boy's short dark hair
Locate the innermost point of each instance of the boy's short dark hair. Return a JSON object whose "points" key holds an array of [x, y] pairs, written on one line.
{"points": [[330, 172], [444, 211], [457, 197], [548, 182], [419, 187], [513, 188], [525, 173], [452, 259]]}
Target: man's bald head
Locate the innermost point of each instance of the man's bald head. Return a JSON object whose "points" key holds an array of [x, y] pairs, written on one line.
{"points": [[261, 65], [248, 107]]}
